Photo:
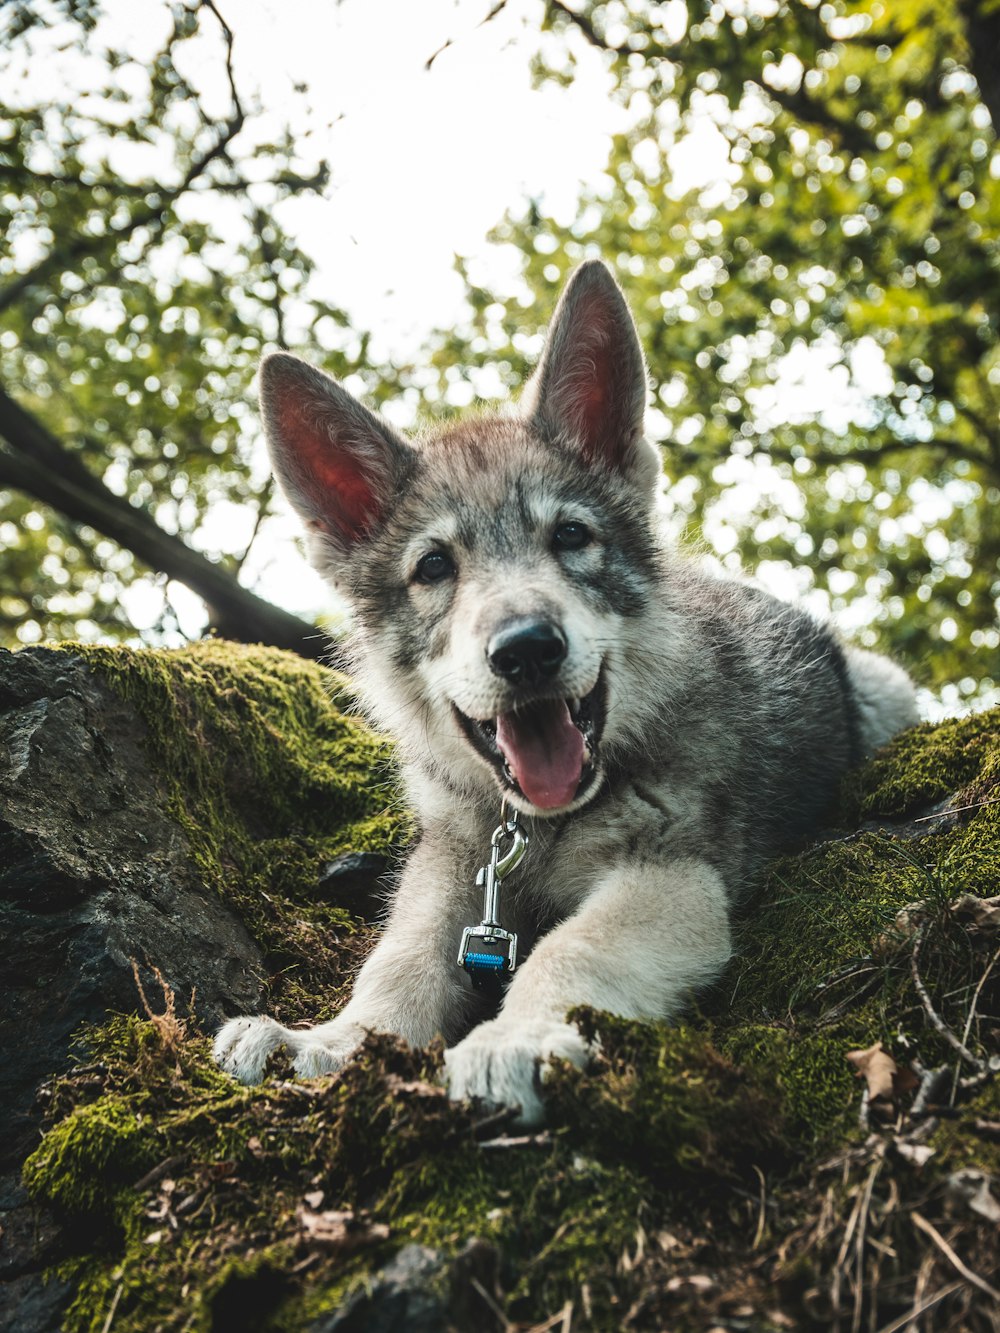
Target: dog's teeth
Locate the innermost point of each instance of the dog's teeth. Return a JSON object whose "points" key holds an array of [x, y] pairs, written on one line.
{"points": [[574, 708]]}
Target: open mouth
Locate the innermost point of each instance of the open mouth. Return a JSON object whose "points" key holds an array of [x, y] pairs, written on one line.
{"points": [[545, 750]]}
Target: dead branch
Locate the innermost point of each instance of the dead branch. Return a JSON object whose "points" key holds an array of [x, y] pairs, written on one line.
{"points": [[936, 1020]]}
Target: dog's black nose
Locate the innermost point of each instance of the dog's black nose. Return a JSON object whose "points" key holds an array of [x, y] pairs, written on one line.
{"points": [[526, 651]]}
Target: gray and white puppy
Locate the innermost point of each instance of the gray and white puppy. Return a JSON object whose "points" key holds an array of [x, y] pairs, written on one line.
{"points": [[524, 632]]}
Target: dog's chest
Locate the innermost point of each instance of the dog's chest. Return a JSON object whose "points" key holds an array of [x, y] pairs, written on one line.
{"points": [[567, 861]]}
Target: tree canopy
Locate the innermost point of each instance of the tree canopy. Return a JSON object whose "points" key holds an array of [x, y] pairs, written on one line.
{"points": [[822, 316], [142, 275], [820, 304]]}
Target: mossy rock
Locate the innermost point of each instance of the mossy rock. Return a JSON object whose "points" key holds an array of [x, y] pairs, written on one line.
{"points": [[710, 1174]]}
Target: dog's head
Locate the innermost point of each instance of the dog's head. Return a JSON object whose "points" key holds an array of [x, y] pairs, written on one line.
{"points": [[497, 569]]}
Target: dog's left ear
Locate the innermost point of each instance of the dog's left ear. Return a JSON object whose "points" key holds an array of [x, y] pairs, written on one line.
{"points": [[590, 387]]}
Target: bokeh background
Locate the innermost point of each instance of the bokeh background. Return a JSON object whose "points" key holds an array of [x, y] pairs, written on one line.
{"points": [[801, 199]]}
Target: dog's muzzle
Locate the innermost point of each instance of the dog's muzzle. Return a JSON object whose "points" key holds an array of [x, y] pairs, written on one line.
{"points": [[544, 749]]}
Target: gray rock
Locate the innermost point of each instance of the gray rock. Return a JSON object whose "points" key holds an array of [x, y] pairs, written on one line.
{"points": [[420, 1291], [93, 874]]}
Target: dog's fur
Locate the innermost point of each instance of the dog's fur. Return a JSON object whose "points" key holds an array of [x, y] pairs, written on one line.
{"points": [[720, 719]]}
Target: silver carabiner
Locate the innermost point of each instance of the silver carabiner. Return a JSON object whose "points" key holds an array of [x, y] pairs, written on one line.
{"points": [[503, 865], [488, 951]]}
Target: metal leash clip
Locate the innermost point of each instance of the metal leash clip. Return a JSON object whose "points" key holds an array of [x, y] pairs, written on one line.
{"points": [[488, 952]]}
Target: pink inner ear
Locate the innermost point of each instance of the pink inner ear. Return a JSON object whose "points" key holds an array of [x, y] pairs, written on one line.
{"points": [[596, 406], [326, 473]]}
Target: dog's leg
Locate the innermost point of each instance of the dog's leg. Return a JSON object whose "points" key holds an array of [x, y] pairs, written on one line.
{"points": [[409, 984], [645, 937]]}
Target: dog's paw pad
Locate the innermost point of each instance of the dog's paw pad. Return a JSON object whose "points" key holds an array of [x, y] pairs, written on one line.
{"points": [[243, 1045], [504, 1065]]}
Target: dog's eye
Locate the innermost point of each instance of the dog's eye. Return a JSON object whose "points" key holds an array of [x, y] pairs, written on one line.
{"points": [[570, 537], [434, 567]]}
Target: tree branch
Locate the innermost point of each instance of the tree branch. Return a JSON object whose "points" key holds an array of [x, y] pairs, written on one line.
{"points": [[875, 457], [150, 216], [38, 464], [584, 25], [982, 26]]}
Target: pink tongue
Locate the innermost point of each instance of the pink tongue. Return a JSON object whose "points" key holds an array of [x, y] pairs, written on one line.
{"points": [[545, 752]]}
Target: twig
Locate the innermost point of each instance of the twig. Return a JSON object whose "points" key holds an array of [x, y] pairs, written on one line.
{"points": [[913, 1314], [936, 1019], [968, 1021], [114, 1306], [859, 1244], [584, 25], [504, 1321], [762, 1215], [158, 1172], [563, 1318], [500, 5], [838, 1267], [263, 501], [957, 810], [953, 1258], [541, 1140], [494, 1120], [985, 1074]]}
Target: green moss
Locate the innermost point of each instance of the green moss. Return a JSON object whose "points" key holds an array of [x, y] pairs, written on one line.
{"points": [[267, 768], [927, 764], [675, 1130], [84, 1162], [666, 1096]]}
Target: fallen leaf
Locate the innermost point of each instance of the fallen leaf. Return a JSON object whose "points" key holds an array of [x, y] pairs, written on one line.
{"points": [[877, 1067], [339, 1232], [973, 1189], [314, 1198], [984, 913], [916, 1153]]}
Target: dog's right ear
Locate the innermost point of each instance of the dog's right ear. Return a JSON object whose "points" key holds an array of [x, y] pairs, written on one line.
{"points": [[338, 463]]}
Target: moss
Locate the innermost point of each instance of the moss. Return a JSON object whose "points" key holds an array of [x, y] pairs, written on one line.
{"points": [[686, 1151], [925, 765], [84, 1162], [667, 1097], [265, 765]]}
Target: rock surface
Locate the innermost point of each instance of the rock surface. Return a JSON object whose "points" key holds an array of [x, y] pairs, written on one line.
{"points": [[93, 874]]}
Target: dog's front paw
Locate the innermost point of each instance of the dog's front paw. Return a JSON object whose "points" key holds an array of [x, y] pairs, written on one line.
{"points": [[502, 1063], [243, 1046]]}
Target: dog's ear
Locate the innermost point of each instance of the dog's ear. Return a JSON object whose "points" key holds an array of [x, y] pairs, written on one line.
{"points": [[590, 387], [338, 463]]}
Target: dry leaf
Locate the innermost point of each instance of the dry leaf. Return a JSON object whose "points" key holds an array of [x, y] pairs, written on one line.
{"points": [[339, 1231], [878, 1068], [983, 912], [973, 1188], [916, 1153]]}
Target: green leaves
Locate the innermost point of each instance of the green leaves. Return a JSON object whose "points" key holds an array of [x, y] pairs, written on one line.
{"points": [[142, 275], [852, 229]]}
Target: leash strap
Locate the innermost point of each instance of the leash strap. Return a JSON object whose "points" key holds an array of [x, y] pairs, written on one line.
{"points": [[488, 952]]}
